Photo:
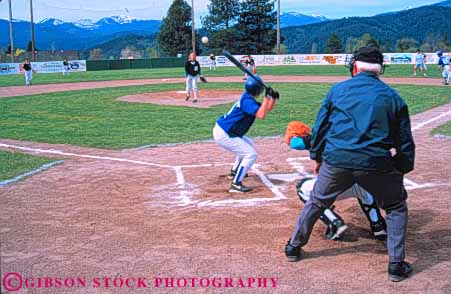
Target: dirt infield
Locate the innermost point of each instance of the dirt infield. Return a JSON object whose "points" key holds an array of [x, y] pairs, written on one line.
{"points": [[163, 212], [51, 88], [206, 98]]}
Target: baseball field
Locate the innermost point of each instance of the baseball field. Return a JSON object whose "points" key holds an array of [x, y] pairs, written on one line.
{"points": [[110, 176]]}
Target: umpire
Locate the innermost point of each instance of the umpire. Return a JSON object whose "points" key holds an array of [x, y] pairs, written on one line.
{"points": [[361, 135]]}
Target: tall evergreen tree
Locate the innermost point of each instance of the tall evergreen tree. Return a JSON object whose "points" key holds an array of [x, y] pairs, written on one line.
{"points": [[220, 24], [256, 27], [333, 44], [175, 32], [223, 14]]}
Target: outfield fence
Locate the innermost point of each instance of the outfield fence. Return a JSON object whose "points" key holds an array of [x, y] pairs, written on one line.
{"points": [[287, 59]]}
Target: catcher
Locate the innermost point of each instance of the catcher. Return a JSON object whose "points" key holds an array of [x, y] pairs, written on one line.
{"points": [[297, 136]]}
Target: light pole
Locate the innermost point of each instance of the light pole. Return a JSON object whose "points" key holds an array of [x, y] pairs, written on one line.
{"points": [[11, 34], [33, 53], [193, 30], [278, 27]]}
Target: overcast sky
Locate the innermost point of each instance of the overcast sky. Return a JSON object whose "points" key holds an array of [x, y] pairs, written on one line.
{"points": [[156, 9]]}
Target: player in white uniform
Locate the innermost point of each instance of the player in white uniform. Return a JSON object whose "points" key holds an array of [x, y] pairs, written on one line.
{"points": [[212, 62], [192, 74], [443, 63], [230, 129], [419, 63]]}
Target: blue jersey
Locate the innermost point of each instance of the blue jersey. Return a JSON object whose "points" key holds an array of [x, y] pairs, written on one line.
{"points": [[443, 60], [240, 117]]}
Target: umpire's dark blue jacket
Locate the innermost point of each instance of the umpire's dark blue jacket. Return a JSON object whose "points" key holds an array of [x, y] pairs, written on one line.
{"points": [[358, 123]]}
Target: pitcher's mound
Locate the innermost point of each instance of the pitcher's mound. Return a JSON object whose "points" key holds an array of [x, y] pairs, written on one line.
{"points": [[207, 98]]}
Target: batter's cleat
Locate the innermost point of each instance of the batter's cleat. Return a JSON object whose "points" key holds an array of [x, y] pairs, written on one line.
{"points": [[336, 229], [379, 230], [398, 271], [239, 188], [187, 98], [232, 174], [293, 253]]}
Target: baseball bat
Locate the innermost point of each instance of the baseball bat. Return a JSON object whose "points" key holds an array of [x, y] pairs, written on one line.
{"points": [[242, 68]]}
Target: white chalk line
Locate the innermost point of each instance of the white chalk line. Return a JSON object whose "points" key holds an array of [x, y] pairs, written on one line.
{"points": [[107, 158], [30, 173], [181, 183], [185, 199], [422, 124], [234, 202]]}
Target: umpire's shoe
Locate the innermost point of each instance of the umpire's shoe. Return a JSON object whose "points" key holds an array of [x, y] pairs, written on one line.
{"points": [[398, 271], [293, 253], [239, 188]]}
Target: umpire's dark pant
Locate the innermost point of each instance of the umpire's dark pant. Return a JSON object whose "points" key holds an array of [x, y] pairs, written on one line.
{"points": [[386, 187]]}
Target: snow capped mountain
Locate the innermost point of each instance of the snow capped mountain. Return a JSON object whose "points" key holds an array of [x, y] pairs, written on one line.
{"points": [[292, 18], [51, 21], [84, 33], [85, 24]]}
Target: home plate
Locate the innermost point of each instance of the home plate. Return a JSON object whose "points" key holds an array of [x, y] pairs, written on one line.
{"points": [[285, 177]]}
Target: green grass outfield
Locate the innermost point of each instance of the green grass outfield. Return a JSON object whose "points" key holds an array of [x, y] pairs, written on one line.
{"points": [[94, 118], [316, 70], [14, 164], [443, 130]]}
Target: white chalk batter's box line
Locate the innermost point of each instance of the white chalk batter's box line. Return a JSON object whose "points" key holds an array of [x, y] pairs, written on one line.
{"points": [[185, 198]]}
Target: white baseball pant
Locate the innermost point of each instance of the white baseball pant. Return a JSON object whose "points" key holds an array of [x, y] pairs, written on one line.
{"points": [[28, 77], [191, 84], [243, 148], [446, 72]]}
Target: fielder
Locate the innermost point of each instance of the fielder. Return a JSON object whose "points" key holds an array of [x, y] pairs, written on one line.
{"points": [[443, 63], [298, 137], [66, 67], [212, 62], [28, 72], [192, 74], [419, 63], [250, 65], [230, 130]]}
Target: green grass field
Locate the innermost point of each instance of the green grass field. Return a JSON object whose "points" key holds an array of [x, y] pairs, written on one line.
{"points": [[94, 118], [14, 164], [317, 70], [443, 130]]}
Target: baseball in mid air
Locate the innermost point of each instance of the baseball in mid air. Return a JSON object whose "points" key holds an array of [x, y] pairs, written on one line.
{"points": [[204, 40]]}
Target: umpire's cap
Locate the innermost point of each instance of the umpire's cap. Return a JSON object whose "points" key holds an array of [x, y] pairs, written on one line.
{"points": [[369, 54], [254, 86]]}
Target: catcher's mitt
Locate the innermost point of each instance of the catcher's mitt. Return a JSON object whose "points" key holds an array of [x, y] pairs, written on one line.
{"points": [[297, 129], [203, 79]]}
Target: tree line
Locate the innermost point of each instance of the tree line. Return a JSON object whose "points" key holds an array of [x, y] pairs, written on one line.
{"points": [[246, 26], [426, 28]]}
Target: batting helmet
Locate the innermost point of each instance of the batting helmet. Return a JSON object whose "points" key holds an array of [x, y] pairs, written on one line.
{"points": [[253, 86], [439, 53]]}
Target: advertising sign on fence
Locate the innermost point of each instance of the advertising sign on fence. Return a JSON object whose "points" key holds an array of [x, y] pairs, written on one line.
{"points": [[43, 67], [9, 68], [260, 60]]}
